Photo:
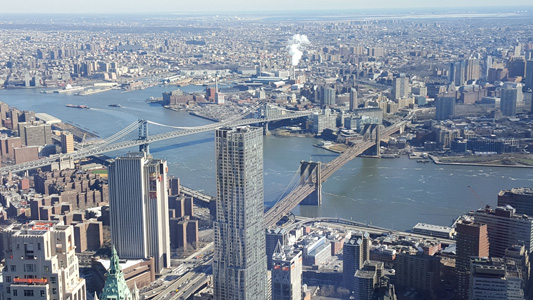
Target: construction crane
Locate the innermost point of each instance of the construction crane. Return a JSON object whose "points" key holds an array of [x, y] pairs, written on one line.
{"points": [[477, 196]]}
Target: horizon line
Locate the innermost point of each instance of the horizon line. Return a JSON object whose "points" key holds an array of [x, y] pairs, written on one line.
{"points": [[517, 9]]}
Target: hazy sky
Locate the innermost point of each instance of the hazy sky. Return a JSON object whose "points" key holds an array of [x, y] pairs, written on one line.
{"points": [[176, 6]]}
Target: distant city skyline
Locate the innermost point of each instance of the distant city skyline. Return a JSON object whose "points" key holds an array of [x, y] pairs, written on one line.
{"points": [[167, 6]]}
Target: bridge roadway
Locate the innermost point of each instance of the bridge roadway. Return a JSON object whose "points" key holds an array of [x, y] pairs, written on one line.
{"points": [[300, 192], [196, 194], [99, 149]]}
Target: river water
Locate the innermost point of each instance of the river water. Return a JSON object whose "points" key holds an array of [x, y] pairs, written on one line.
{"points": [[393, 193]]}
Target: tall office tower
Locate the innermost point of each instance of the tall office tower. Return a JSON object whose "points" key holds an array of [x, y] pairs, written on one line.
{"points": [[452, 72], [529, 54], [520, 199], [355, 252], [488, 64], [67, 142], [239, 263], [354, 102], [41, 263], [473, 69], [517, 49], [517, 66], [457, 74], [287, 274], [115, 285], [400, 87], [138, 203], [494, 278], [4, 110], [471, 240], [328, 97], [445, 108], [508, 101], [273, 237], [505, 228], [529, 74]]}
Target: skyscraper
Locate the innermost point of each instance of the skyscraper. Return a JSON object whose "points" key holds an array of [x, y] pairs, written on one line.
{"points": [[520, 199], [508, 102], [473, 69], [529, 74], [273, 237], [287, 274], [488, 64], [457, 74], [67, 142], [505, 228], [445, 108], [239, 263], [367, 281], [354, 103], [355, 252], [400, 87], [472, 240], [138, 203], [328, 97], [41, 263]]}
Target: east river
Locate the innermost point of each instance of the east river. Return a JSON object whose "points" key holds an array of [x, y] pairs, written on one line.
{"points": [[393, 193]]}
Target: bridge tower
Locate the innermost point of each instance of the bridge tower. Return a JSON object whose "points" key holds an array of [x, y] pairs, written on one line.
{"points": [[371, 131], [143, 136], [310, 174], [265, 128], [378, 140]]}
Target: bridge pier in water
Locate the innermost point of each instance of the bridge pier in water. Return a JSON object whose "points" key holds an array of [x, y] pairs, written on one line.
{"points": [[310, 171], [265, 129], [378, 141], [373, 130]]}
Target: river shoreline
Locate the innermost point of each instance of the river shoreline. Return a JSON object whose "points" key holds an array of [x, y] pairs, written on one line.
{"points": [[391, 193], [437, 161]]}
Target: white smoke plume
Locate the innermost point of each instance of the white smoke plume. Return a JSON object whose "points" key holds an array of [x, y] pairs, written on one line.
{"points": [[295, 46]]}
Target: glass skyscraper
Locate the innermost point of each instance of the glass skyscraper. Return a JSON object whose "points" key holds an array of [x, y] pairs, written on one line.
{"points": [[239, 264], [138, 202]]}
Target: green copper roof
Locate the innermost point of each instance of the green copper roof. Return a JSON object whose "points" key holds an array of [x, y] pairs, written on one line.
{"points": [[115, 285]]}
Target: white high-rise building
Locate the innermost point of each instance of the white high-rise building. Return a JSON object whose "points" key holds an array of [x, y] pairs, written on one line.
{"points": [[400, 87], [41, 262], [138, 202], [239, 263]]}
